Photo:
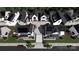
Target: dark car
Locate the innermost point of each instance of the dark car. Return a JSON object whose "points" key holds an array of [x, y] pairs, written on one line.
{"points": [[20, 46], [69, 46]]}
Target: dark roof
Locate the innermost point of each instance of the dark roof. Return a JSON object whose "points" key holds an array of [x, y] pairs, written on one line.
{"points": [[61, 28], [55, 29], [75, 15], [22, 16], [11, 16], [43, 13], [54, 16], [23, 29], [38, 14], [51, 28], [68, 18], [2, 14], [64, 16], [51, 16], [31, 14], [77, 28]]}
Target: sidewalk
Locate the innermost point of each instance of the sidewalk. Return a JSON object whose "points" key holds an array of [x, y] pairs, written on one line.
{"points": [[12, 44], [39, 45], [64, 44]]}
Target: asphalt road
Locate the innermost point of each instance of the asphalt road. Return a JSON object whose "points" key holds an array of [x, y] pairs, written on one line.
{"points": [[55, 48]]}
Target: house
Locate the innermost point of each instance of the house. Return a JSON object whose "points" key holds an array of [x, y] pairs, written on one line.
{"points": [[22, 18], [27, 17], [53, 30], [58, 29], [34, 17], [12, 20], [11, 16], [51, 16], [49, 31], [65, 17], [38, 16], [4, 31], [58, 22], [74, 30], [7, 14], [74, 21], [55, 17], [70, 12], [61, 30], [2, 16], [74, 16], [43, 18], [24, 30], [17, 14]]}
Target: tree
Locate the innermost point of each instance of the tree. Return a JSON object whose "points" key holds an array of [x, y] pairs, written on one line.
{"points": [[28, 44], [2, 9], [46, 44]]}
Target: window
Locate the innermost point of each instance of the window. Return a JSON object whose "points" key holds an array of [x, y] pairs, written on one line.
{"points": [[43, 17], [73, 33], [34, 18], [6, 33]]}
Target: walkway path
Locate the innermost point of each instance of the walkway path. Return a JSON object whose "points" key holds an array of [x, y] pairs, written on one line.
{"points": [[39, 43]]}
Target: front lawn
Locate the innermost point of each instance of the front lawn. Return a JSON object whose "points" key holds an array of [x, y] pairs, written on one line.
{"points": [[64, 39], [11, 39]]}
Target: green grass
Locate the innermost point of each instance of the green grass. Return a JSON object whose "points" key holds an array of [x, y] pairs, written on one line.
{"points": [[32, 41], [11, 39], [65, 39]]}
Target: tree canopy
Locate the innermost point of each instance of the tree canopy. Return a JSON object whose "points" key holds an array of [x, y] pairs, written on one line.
{"points": [[34, 9]]}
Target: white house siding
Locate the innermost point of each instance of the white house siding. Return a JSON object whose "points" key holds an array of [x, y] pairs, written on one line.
{"points": [[21, 23], [1, 19], [8, 23], [2, 23], [5, 30], [72, 22], [57, 22], [16, 16], [34, 16], [7, 14], [62, 33], [44, 18], [14, 21], [72, 29]]}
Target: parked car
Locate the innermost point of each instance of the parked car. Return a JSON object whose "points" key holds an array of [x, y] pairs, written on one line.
{"points": [[20, 46], [69, 46]]}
